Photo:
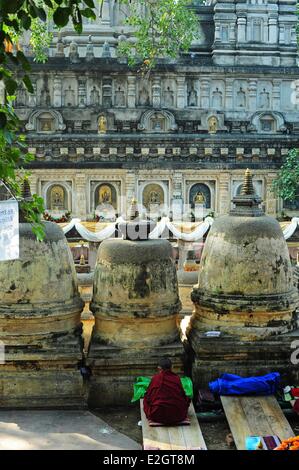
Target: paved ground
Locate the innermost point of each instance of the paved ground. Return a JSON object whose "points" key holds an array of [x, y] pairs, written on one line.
{"points": [[61, 430]]}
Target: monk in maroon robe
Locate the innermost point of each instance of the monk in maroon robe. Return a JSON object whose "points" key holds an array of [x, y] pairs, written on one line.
{"points": [[165, 401]]}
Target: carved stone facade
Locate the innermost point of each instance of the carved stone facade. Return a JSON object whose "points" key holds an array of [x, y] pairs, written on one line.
{"points": [[231, 103]]}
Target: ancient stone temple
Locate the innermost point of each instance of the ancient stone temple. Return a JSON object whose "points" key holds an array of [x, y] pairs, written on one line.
{"points": [[192, 127], [135, 304], [40, 324], [246, 292]]}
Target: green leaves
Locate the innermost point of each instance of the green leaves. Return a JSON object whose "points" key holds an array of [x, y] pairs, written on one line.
{"points": [[163, 29], [61, 16], [286, 185], [28, 84], [3, 119]]}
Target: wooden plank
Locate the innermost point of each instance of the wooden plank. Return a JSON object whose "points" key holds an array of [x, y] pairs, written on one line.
{"points": [[279, 424], [257, 421], [255, 416], [172, 437], [237, 420]]}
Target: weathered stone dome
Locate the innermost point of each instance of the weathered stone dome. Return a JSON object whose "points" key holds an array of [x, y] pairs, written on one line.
{"points": [[135, 299], [38, 291], [245, 283]]}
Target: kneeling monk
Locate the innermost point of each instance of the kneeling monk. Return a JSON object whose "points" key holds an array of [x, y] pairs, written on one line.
{"points": [[165, 400]]}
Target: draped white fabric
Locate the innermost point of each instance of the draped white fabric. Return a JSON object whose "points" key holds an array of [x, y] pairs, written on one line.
{"points": [[164, 223], [290, 229], [193, 236], [89, 236], [161, 226]]}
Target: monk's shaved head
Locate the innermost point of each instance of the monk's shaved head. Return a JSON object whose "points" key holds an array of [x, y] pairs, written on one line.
{"points": [[165, 363]]}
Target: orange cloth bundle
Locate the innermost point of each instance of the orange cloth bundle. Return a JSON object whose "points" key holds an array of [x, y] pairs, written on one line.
{"points": [[289, 444]]}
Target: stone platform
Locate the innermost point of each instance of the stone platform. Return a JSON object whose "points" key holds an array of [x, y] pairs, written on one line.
{"points": [[212, 357], [59, 430], [114, 370]]}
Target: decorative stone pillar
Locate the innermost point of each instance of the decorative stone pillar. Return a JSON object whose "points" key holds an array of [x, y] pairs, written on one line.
{"points": [[229, 93], [281, 33], [232, 33], [177, 196], [273, 30], [107, 92], [80, 191], [106, 19], [217, 32], [271, 199], [156, 91], [241, 22], [252, 89], [276, 95], [57, 92], [224, 193], [130, 187], [205, 93], [181, 92], [131, 91]]}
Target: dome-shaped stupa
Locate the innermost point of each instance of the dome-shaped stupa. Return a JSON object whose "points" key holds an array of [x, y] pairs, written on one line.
{"points": [[40, 323], [245, 284]]}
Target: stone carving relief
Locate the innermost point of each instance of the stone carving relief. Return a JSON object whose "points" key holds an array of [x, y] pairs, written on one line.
{"points": [[21, 97], [264, 99], [217, 99], [241, 98], [94, 96], [44, 120], [119, 96], [143, 96], [212, 122], [69, 97], [157, 121], [168, 97], [192, 97], [45, 99]]}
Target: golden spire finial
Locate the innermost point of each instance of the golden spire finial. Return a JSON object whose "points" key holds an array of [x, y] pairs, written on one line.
{"points": [[247, 188]]}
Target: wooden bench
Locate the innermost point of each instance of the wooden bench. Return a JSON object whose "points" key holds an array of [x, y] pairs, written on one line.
{"points": [[255, 416], [186, 437]]}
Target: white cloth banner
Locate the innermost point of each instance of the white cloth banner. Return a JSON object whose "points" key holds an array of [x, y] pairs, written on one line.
{"points": [[164, 223], [290, 229], [9, 230]]}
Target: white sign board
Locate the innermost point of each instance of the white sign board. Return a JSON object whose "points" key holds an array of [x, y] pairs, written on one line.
{"points": [[9, 230]]}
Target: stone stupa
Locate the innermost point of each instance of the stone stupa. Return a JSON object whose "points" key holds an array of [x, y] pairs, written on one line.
{"points": [[135, 304], [40, 323], [245, 291]]}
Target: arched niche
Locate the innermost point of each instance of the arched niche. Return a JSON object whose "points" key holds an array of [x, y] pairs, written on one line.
{"points": [[105, 194], [57, 198], [154, 121], [45, 121], [200, 193], [268, 122], [153, 196]]}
